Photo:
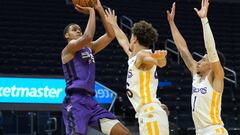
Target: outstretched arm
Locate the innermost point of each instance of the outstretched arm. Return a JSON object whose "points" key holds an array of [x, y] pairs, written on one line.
{"points": [[146, 60], [76, 45], [209, 42], [120, 35], [180, 42], [105, 39]]}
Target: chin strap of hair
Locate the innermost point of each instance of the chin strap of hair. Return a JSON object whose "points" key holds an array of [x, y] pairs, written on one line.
{"points": [[209, 41]]}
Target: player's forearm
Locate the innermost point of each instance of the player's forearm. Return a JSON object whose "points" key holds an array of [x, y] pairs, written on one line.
{"points": [[209, 41], [182, 47], [91, 26], [178, 38], [121, 37], [144, 58], [106, 25]]}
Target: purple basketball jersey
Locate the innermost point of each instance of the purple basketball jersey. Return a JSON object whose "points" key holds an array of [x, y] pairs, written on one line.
{"points": [[79, 72]]}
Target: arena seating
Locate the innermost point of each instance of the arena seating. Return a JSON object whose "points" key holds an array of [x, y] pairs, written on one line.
{"points": [[31, 42]]}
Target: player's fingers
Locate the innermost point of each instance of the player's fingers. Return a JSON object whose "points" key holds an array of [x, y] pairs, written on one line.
{"points": [[80, 7], [113, 12], [79, 10], [110, 12], [174, 7], [196, 10], [107, 13], [168, 12]]}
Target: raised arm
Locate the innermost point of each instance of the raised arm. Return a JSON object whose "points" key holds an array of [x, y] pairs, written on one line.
{"points": [[180, 42], [120, 35], [146, 60], [105, 39], [209, 42], [76, 45]]}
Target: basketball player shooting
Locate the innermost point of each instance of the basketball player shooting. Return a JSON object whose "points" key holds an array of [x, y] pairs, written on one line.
{"points": [[208, 76], [80, 110], [142, 80]]}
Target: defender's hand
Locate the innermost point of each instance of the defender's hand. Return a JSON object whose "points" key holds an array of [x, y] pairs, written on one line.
{"points": [[111, 17], [202, 13], [171, 15], [159, 54]]}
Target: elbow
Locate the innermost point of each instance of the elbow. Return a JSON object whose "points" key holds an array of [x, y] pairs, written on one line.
{"points": [[111, 35]]}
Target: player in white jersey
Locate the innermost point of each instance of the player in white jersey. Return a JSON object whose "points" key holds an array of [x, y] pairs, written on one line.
{"points": [[208, 77], [142, 80]]}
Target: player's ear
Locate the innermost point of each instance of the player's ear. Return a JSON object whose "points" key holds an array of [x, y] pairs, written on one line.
{"points": [[135, 40], [66, 35]]}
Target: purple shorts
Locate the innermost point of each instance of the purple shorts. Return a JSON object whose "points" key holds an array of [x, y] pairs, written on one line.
{"points": [[81, 111]]}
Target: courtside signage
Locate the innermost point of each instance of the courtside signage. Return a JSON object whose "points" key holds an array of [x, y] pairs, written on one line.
{"points": [[42, 91]]}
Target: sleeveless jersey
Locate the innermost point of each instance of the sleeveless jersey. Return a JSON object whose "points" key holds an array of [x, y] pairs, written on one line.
{"points": [[80, 71], [141, 85], [206, 103]]}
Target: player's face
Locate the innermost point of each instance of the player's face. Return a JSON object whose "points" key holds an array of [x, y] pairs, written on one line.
{"points": [[74, 32], [203, 65], [132, 41]]}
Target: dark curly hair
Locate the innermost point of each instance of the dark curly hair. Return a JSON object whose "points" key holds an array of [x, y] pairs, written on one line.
{"points": [[145, 33]]}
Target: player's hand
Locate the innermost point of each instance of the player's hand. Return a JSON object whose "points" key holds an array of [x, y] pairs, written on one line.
{"points": [[171, 15], [202, 13], [97, 5], [159, 54], [84, 10], [110, 16]]}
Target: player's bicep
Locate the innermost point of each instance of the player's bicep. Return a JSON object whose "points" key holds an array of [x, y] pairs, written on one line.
{"points": [[189, 61], [125, 46], [218, 84], [126, 49], [218, 70], [76, 45], [101, 43]]}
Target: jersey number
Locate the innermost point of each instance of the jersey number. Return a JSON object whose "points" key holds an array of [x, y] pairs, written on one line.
{"points": [[129, 92], [194, 103]]}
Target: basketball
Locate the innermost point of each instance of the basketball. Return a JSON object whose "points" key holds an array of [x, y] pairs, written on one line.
{"points": [[84, 3]]}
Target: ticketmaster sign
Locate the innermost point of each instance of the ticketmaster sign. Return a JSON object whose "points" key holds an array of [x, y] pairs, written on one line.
{"points": [[43, 91]]}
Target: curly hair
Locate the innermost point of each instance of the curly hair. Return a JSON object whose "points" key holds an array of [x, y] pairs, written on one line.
{"points": [[145, 33]]}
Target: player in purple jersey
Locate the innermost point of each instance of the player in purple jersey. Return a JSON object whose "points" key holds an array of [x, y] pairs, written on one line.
{"points": [[80, 110]]}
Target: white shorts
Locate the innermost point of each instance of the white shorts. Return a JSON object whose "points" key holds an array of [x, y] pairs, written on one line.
{"points": [[212, 130], [153, 120], [107, 125]]}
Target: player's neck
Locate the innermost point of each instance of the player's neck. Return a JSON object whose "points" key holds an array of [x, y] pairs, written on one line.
{"points": [[137, 49], [204, 74]]}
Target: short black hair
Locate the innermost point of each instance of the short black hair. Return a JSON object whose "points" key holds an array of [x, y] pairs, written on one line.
{"points": [[67, 28], [221, 58], [145, 33]]}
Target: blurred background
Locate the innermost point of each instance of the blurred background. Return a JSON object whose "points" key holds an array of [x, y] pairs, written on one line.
{"points": [[31, 41]]}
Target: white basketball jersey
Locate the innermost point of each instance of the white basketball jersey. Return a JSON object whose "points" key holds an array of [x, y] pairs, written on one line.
{"points": [[206, 103], [141, 85]]}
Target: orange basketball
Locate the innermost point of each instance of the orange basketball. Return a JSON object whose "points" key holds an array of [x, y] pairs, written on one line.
{"points": [[84, 3]]}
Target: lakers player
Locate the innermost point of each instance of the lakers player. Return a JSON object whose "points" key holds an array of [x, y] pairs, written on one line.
{"points": [[208, 77], [142, 80]]}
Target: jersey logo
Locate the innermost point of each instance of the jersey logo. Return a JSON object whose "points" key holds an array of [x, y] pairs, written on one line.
{"points": [[69, 107], [201, 90], [89, 56]]}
